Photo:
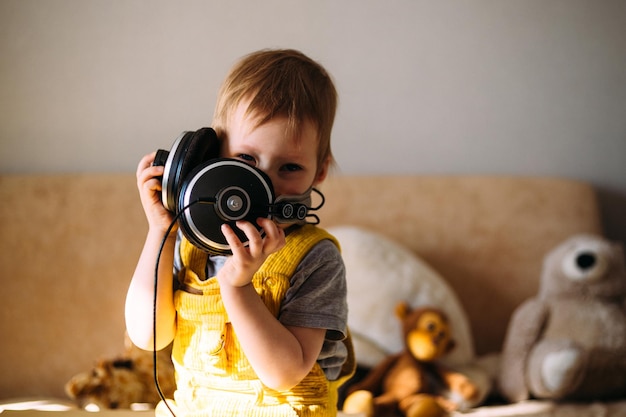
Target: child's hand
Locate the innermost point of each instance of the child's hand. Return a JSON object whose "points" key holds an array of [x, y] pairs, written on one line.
{"points": [[149, 187], [245, 261]]}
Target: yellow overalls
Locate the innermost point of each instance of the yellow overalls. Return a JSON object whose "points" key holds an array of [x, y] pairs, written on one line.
{"points": [[213, 376]]}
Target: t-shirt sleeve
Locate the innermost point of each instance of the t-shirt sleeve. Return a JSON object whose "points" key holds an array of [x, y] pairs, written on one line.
{"points": [[317, 296]]}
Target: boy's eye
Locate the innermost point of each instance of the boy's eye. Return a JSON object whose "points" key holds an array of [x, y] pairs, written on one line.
{"points": [[247, 158], [291, 167]]}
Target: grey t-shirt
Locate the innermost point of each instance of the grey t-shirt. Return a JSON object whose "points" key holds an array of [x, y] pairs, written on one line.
{"points": [[315, 299]]}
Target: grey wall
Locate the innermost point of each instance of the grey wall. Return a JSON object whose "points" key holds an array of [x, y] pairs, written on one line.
{"points": [[484, 86]]}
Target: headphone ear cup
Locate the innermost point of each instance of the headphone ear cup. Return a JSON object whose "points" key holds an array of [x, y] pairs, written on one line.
{"points": [[203, 145], [234, 191], [190, 150]]}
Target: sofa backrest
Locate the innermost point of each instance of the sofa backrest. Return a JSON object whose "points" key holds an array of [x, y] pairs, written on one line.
{"points": [[486, 235], [70, 243]]}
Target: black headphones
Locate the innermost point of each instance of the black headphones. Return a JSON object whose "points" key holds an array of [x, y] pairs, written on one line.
{"points": [[206, 191]]}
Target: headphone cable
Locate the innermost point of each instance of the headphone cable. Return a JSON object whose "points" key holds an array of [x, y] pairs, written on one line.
{"points": [[154, 303]]}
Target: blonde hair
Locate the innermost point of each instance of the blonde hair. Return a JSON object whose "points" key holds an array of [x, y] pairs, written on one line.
{"points": [[281, 83]]}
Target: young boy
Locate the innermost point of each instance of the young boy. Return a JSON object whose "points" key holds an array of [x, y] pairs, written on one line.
{"points": [[261, 332]]}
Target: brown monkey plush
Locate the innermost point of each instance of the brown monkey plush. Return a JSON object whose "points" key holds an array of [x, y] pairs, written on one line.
{"points": [[411, 383]]}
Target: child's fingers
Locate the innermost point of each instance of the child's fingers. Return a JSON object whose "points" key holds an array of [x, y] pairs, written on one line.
{"points": [[274, 235], [231, 238], [255, 240], [148, 175], [145, 162], [258, 247]]}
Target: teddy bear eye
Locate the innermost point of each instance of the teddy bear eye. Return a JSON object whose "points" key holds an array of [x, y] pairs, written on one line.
{"points": [[585, 260], [123, 363]]}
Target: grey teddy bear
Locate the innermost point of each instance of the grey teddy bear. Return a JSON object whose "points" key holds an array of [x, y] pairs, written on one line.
{"points": [[569, 341]]}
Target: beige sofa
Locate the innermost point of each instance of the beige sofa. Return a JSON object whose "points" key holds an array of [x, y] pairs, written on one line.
{"points": [[70, 242]]}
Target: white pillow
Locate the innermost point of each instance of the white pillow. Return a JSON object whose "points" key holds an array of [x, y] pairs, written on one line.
{"points": [[380, 274]]}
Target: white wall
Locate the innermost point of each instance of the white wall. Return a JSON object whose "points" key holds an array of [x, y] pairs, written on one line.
{"points": [[483, 86]]}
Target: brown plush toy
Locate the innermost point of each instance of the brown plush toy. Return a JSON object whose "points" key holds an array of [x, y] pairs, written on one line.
{"points": [[569, 341], [412, 383], [123, 381]]}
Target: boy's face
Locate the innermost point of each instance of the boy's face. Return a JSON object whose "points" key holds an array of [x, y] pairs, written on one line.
{"points": [[290, 162]]}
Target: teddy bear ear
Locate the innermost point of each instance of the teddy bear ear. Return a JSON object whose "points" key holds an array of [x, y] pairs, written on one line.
{"points": [[402, 310], [103, 367]]}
